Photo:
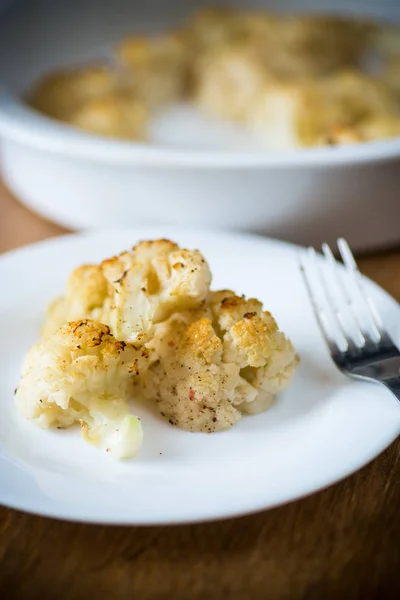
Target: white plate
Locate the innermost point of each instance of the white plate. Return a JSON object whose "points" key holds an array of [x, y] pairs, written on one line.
{"points": [[322, 429]]}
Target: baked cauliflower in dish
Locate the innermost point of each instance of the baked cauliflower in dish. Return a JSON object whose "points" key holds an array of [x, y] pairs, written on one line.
{"points": [[156, 69], [211, 365], [229, 79], [304, 113], [234, 82], [374, 128], [211, 27], [95, 98], [135, 290], [82, 374], [61, 93], [291, 46], [310, 46], [252, 66], [118, 115]]}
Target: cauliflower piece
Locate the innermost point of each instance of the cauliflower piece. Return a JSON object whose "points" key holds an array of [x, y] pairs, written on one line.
{"points": [[83, 374], [375, 128], [234, 82], [310, 46], [291, 46], [85, 297], [252, 339], [346, 99], [210, 365], [118, 115], [303, 113], [156, 68], [135, 290], [191, 386], [212, 27], [61, 93], [152, 281], [247, 52], [229, 79]]}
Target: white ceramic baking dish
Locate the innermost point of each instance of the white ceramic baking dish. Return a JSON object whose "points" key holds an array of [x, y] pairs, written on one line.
{"points": [[191, 172]]}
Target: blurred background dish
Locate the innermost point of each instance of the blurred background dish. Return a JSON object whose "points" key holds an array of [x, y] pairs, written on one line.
{"points": [[183, 166], [288, 80]]}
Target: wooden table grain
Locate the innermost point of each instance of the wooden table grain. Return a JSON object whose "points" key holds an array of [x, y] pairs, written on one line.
{"points": [[341, 543]]}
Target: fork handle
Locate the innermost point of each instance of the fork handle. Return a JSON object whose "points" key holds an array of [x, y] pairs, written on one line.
{"points": [[393, 384]]}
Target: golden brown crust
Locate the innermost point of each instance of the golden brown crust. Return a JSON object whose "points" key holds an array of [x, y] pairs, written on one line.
{"points": [[83, 335], [200, 343]]}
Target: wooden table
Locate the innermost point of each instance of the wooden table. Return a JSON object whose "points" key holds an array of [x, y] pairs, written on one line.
{"points": [[343, 542]]}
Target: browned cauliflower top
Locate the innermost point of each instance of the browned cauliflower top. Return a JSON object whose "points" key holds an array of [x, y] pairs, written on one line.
{"points": [[134, 290]]}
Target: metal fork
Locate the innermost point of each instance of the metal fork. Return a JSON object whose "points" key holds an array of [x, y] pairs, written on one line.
{"points": [[357, 339]]}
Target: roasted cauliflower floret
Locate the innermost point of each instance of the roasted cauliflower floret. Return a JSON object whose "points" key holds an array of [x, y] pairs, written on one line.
{"points": [[252, 339], [193, 388], [213, 364], [96, 99], [156, 69], [210, 27], [375, 128], [135, 290], [118, 115], [152, 281], [291, 46], [229, 79], [310, 46], [61, 93], [303, 113], [82, 374]]}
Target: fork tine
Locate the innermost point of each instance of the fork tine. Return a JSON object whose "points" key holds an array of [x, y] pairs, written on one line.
{"points": [[349, 343], [374, 326], [336, 340], [331, 343], [342, 301]]}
